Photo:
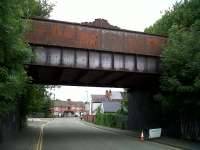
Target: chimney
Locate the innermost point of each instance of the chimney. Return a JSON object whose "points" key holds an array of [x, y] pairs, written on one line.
{"points": [[109, 94]]}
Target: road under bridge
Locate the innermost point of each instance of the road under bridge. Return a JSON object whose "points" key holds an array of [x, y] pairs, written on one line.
{"points": [[98, 54]]}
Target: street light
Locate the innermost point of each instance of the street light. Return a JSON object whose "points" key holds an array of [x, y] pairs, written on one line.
{"points": [[90, 103], [87, 95], [54, 101]]}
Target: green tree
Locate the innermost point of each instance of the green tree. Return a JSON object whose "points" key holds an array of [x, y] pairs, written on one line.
{"points": [[180, 80], [183, 14], [14, 50], [180, 58], [38, 100]]}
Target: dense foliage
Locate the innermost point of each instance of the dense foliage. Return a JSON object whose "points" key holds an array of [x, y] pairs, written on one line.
{"points": [[15, 85], [118, 119], [114, 120], [181, 63], [183, 14], [180, 80], [37, 101]]}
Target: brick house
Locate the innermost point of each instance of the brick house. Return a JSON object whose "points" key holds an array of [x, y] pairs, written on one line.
{"points": [[68, 108]]}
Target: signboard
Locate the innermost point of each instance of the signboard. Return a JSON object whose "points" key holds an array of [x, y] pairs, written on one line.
{"points": [[154, 133]]}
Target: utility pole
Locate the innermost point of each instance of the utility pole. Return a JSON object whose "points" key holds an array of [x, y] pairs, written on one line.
{"points": [[54, 101], [90, 104]]}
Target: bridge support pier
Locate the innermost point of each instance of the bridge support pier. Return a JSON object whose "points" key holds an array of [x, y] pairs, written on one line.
{"points": [[143, 111]]}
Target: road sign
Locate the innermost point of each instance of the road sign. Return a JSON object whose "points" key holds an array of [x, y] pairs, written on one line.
{"points": [[154, 133]]}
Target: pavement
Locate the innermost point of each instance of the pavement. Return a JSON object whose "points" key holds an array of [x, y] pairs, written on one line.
{"points": [[27, 138], [73, 134], [178, 143]]}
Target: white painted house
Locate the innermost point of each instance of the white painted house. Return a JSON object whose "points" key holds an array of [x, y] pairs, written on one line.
{"points": [[108, 101], [110, 107]]}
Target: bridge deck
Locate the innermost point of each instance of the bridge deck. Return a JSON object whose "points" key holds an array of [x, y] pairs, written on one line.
{"points": [[76, 54], [65, 34]]}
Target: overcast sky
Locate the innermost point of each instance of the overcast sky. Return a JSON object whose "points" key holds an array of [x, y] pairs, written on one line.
{"points": [[127, 14]]}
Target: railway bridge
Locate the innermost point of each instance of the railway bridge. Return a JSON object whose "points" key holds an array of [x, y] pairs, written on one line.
{"points": [[98, 54]]}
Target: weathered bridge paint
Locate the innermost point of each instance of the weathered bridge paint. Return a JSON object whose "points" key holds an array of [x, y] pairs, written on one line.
{"points": [[89, 59], [65, 34], [77, 54]]}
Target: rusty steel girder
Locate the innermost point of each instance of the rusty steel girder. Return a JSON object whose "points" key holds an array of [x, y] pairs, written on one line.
{"points": [[64, 34]]}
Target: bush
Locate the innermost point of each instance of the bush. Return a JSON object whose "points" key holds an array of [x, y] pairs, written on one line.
{"points": [[112, 120]]}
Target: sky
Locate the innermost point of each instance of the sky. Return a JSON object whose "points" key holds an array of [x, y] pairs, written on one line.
{"points": [[80, 93], [133, 15]]}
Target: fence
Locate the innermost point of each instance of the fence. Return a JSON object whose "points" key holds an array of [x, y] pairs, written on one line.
{"points": [[9, 126], [89, 118]]}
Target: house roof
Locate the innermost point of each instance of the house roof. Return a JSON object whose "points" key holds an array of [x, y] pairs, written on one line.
{"points": [[99, 98], [58, 103], [116, 95], [111, 106]]}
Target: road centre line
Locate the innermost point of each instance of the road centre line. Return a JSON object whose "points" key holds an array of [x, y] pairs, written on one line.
{"points": [[40, 138]]}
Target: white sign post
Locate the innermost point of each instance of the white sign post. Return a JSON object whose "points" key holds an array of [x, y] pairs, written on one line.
{"points": [[155, 133]]}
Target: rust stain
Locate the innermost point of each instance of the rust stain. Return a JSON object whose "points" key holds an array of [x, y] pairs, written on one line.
{"points": [[61, 35], [112, 41], [135, 43], [88, 38], [155, 45], [79, 36], [37, 33]]}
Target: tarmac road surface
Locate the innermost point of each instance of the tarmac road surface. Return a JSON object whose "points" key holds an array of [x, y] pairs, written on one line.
{"points": [[73, 134]]}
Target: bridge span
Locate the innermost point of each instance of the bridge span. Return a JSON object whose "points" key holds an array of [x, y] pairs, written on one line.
{"points": [[99, 54], [94, 54]]}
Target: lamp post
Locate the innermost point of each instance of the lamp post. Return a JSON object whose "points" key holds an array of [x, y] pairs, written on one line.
{"points": [[54, 94], [87, 95], [90, 104]]}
